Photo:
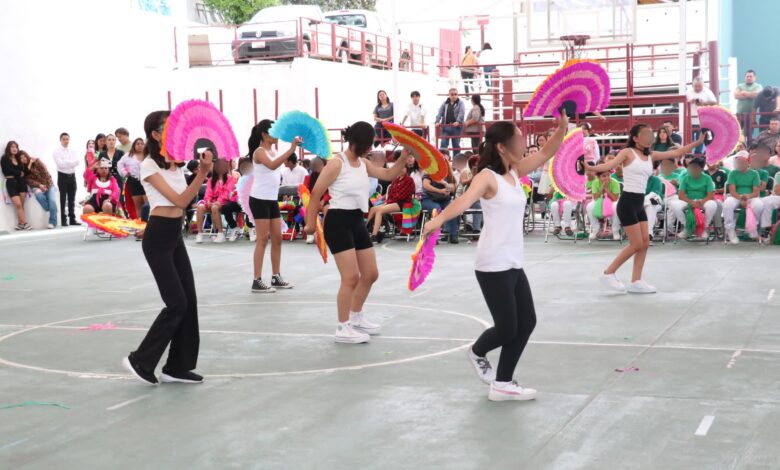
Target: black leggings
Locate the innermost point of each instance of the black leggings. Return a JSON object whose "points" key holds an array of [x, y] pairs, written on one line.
{"points": [[177, 323], [508, 296], [229, 210]]}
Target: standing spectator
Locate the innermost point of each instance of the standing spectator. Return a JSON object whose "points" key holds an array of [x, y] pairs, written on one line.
{"points": [[113, 154], [592, 150], [488, 62], [66, 161], [676, 138], [129, 167], [383, 112], [468, 68], [663, 140], [125, 145], [475, 122], [767, 104], [771, 136], [745, 94], [699, 95], [42, 186], [416, 114], [100, 143], [450, 117], [15, 173], [293, 174]]}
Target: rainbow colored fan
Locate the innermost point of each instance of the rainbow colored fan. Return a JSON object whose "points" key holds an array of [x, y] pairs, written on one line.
{"points": [[725, 131], [429, 158], [116, 226], [311, 130], [579, 84], [196, 124], [567, 171], [319, 234]]}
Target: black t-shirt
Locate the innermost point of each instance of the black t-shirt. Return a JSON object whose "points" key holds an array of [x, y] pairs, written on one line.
{"points": [[719, 178], [765, 104]]}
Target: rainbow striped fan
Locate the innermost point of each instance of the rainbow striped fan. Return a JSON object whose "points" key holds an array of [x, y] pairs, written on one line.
{"points": [[294, 124], [567, 170], [116, 226], [195, 124], [725, 131], [581, 84], [423, 258], [319, 234], [429, 158]]}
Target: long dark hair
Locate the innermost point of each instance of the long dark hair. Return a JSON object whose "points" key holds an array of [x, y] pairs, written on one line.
{"points": [[658, 135], [359, 136], [154, 121], [132, 147], [256, 136], [499, 133], [378, 101], [633, 134], [7, 153], [213, 179], [105, 146], [477, 100]]}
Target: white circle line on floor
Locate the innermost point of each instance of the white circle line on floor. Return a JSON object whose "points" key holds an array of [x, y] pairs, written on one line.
{"points": [[100, 375]]}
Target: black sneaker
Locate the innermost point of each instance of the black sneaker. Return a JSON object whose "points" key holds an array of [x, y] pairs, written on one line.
{"points": [[454, 240], [169, 377], [74, 222], [135, 369], [64, 222], [279, 283], [260, 287]]}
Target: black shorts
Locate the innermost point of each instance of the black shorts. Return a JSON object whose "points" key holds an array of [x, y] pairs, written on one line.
{"points": [[98, 205], [263, 209], [15, 187], [631, 209], [346, 230], [135, 187]]}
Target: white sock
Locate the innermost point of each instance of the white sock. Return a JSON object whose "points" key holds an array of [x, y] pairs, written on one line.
{"points": [[353, 314]]}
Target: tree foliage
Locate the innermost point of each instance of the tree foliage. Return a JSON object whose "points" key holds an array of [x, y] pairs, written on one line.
{"points": [[328, 5], [238, 11]]}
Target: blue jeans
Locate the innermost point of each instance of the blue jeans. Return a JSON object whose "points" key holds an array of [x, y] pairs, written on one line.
{"points": [[476, 221], [447, 133], [429, 205], [47, 200], [696, 132], [488, 69]]}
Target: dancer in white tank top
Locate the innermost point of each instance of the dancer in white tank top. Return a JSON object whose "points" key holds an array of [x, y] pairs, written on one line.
{"points": [[264, 204], [499, 264], [346, 177], [637, 160]]}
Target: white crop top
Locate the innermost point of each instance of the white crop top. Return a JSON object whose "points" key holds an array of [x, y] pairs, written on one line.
{"points": [[350, 191], [174, 178], [636, 174], [500, 245], [267, 181]]}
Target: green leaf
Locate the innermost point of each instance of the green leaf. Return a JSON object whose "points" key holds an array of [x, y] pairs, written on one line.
{"points": [[238, 11]]}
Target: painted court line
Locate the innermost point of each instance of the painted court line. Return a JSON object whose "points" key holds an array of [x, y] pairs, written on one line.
{"points": [[771, 295], [733, 359], [420, 292], [704, 426], [128, 402]]}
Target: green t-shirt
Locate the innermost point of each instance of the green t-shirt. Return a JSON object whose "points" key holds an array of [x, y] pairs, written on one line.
{"points": [[616, 178], [655, 185], [614, 186], [745, 105], [772, 170], [764, 176], [697, 188], [671, 177], [744, 182]]}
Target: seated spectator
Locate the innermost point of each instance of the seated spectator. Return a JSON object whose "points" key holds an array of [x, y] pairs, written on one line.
{"points": [[562, 208], [775, 159], [129, 167], [743, 187], [696, 191], [42, 186], [15, 173], [603, 186], [293, 174], [401, 192], [463, 177], [675, 137], [663, 141], [654, 201], [771, 204], [438, 195], [220, 189], [669, 171], [759, 159], [413, 170], [317, 165], [771, 136], [103, 190], [306, 164], [719, 177]]}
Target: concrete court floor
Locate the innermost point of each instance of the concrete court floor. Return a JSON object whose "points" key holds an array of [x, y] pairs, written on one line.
{"points": [[279, 394]]}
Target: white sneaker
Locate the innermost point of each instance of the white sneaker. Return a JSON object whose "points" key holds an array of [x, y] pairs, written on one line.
{"points": [[220, 238], [199, 238], [232, 235], [732, 237], [346, 334], [641, 287], [51, 226], [252, 235], [482, 366], [683, 235], [616, 236], [310, 240], [359, 322], [593, 235], [612, 281], [705, 235], [507, 391]]}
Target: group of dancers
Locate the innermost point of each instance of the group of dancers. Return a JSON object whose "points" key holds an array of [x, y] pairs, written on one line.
{"points": [[499, 258]]}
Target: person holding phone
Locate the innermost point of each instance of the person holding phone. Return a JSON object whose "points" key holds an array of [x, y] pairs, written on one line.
{"points": [[177, 324]]}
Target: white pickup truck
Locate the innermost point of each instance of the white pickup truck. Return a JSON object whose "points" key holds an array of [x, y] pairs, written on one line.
{"points": [[276, 33]]}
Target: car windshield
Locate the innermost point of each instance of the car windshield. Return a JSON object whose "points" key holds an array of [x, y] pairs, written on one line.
{"points": [[285, 13], [358, 21]]}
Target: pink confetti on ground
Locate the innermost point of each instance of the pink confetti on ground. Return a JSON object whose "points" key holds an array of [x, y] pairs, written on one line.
{"points": [[99, 326], [628, 369]]}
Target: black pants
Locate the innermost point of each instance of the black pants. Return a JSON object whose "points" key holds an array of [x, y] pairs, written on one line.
{"points": [[468, 78], [508, 296], [229, 210], [67, 186], [177, 323]]}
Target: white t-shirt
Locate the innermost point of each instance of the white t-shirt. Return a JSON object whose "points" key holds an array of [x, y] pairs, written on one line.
{"points": [[267, 181], [415, 112], [174, 178], [294, 177], [705, 95], [486, 57]]}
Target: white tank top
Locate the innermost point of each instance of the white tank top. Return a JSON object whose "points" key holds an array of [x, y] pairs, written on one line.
{"points": [[500, 245], [636, 174], [267, 181], [350, 190]]}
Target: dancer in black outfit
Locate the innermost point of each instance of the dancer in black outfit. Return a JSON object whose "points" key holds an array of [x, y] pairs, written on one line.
{"points": [[163, 247]]}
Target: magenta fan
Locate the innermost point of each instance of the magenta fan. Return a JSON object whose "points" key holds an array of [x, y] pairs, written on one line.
{"points": [[567, 170], [581, 85], [197, 124], [423, 258], [724, 128]]}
